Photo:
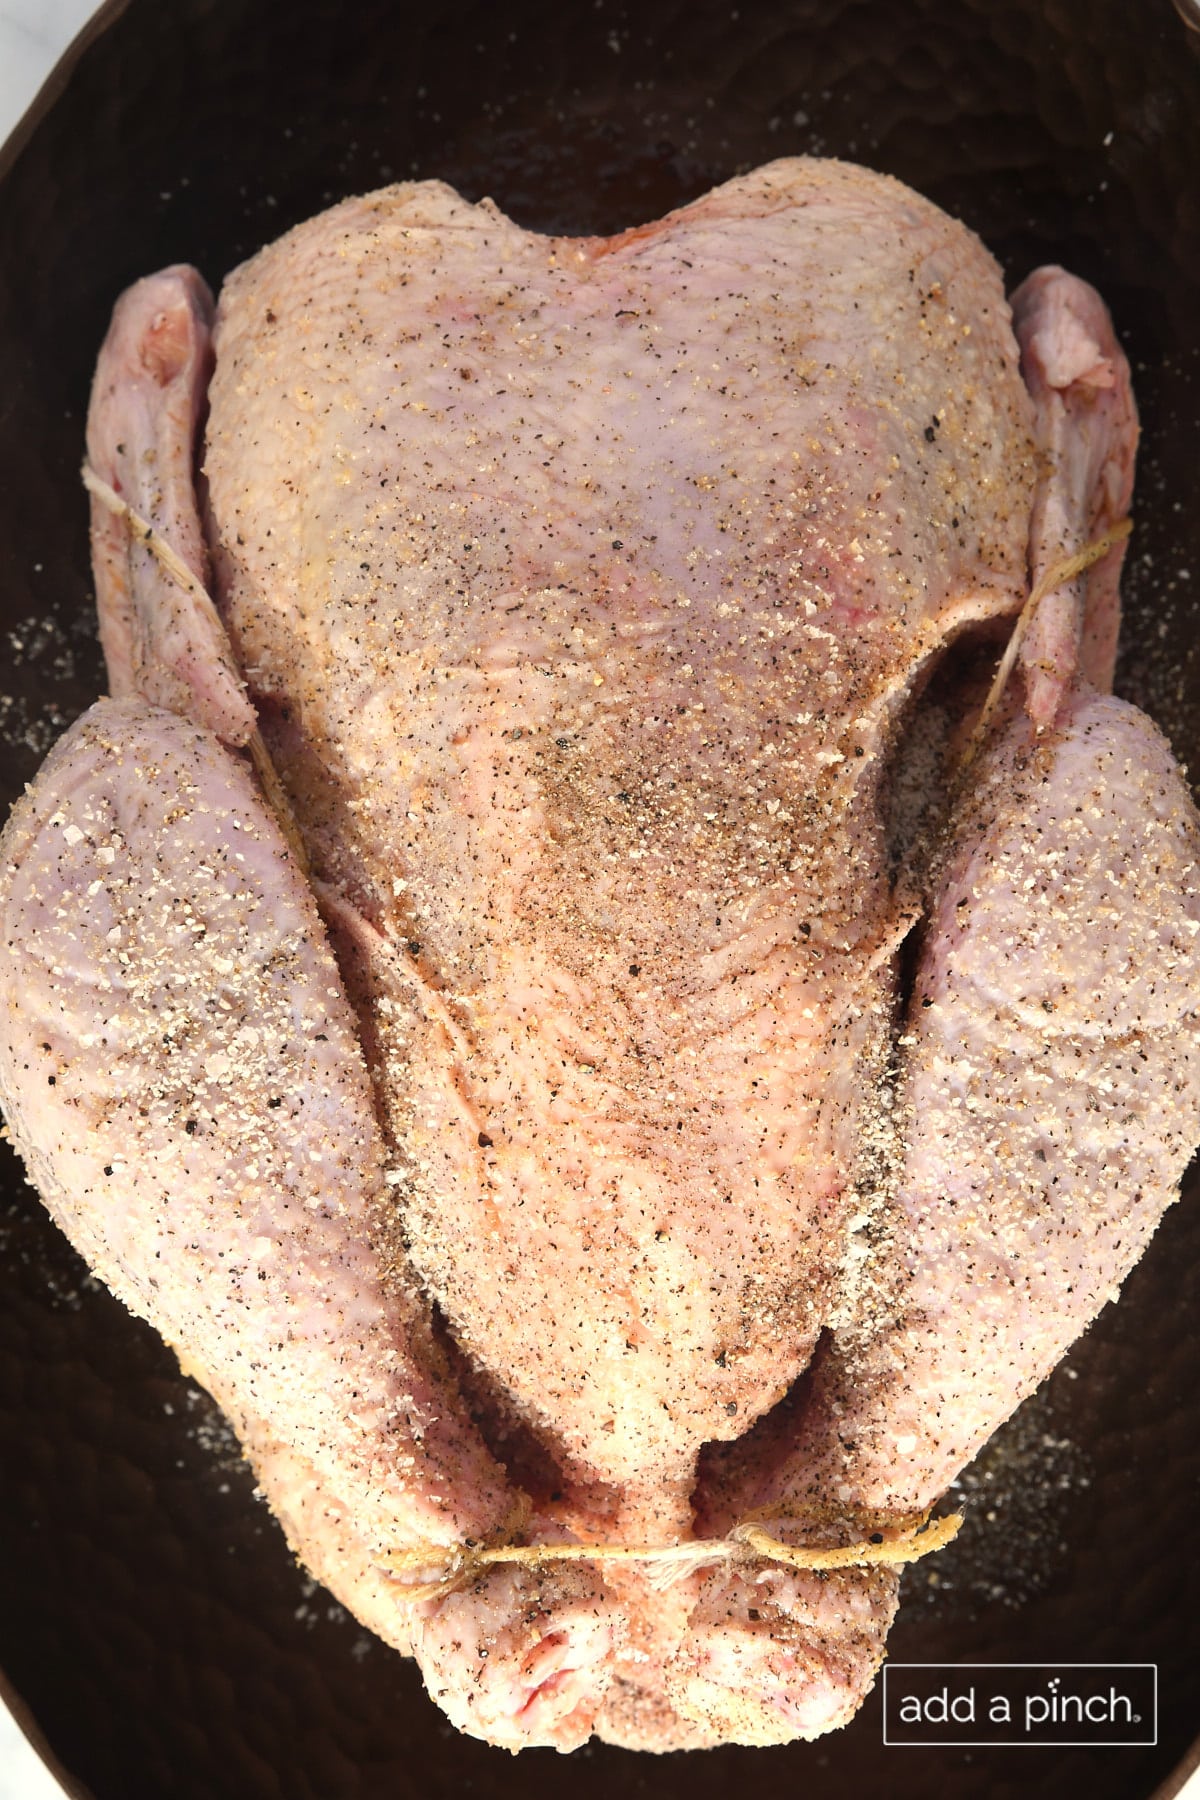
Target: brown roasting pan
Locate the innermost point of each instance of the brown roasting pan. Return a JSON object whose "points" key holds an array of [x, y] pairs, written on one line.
{"points": [[151, 1619]]}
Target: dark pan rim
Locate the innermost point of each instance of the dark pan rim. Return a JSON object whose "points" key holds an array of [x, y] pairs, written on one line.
{"points": [[52, 88], [32, 1732]]}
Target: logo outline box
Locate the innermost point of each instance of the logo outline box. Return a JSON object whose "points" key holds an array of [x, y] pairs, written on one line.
{"points": [[1020, 1743]]}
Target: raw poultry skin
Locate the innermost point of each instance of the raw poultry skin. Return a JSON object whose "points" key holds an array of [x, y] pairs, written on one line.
{"points": [[585, 591]]}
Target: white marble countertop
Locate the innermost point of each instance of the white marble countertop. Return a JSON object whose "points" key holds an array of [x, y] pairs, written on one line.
{"points": [[33, 34]]}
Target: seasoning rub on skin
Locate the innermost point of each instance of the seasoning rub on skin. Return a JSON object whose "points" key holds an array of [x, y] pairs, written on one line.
{"points": [[615, 613]]}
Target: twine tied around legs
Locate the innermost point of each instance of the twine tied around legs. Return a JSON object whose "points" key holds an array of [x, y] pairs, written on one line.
{"points": [[665, 1564]]}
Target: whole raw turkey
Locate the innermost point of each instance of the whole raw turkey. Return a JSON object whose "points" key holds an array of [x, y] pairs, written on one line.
{"points": [[542, 981]]}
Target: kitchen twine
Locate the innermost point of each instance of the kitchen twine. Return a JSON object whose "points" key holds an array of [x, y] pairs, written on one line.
{"points": [[748, 1541], [667, 1563], [1060, 572], [174, 565]]}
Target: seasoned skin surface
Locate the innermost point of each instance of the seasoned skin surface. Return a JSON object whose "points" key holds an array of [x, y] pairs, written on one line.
{"points": [[592, 598], [179, 1066], [167, 991], [618, 555], [1048, 1111], [1086, 431], [148, 399], [1051, 1090]]}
